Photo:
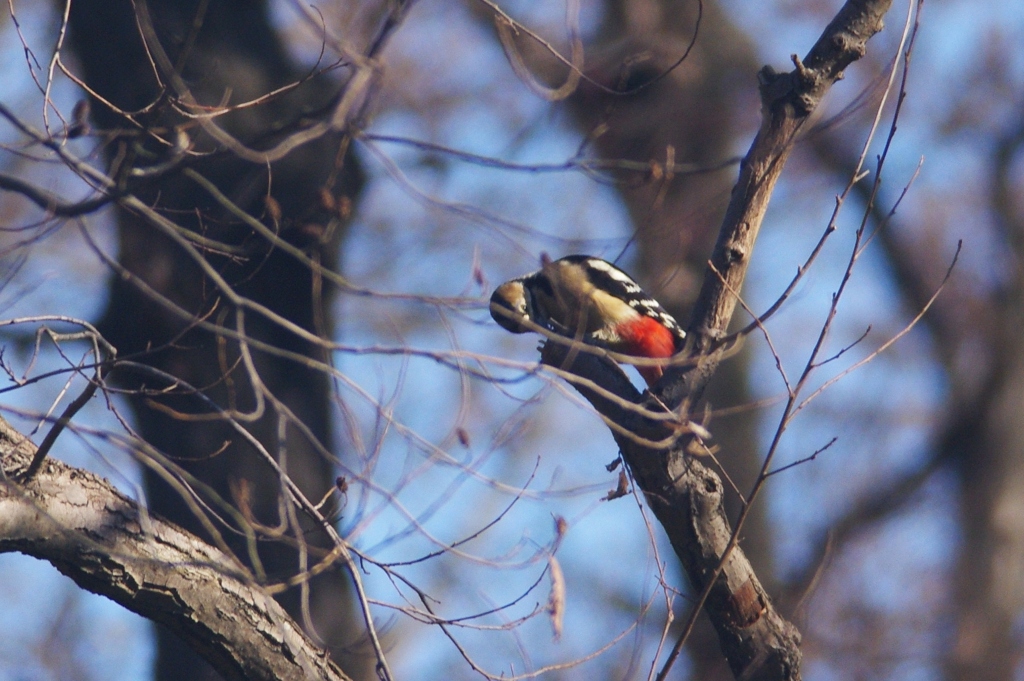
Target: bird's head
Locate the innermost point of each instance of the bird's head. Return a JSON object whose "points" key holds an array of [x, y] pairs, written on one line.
{"points": [[510, 305]]}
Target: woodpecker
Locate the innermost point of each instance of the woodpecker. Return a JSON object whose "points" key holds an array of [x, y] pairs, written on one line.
{"points": [[586, 297]]}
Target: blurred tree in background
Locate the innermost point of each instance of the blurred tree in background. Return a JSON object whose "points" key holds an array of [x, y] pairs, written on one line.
{"points": [[156, 69]]}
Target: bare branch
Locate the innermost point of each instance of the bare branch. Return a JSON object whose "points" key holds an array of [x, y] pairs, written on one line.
{"points": [[685, 495], [787, 101], [99, 538]]}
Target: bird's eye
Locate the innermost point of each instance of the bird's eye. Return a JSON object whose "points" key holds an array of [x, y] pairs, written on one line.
{"points": [[524, 304]]}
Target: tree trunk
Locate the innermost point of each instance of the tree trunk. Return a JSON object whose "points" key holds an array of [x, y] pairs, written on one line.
{"points": [[226, 52]]}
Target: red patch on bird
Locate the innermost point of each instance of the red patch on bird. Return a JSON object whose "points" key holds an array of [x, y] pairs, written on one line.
{"points": [[646, 337]]}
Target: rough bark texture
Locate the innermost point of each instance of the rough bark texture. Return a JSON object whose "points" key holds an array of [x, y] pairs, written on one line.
{"points": [[686, 496], [687, 499], [95, 535], [689, 115], [225, 51], [787, 99]]}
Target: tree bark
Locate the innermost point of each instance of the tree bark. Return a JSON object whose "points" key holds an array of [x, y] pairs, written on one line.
{"points": [[687, 118], [226, 51], [102, 540], [656, 445]]}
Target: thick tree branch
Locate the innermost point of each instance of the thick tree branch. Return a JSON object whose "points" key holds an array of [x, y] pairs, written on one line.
{"points": [[787, 100], [685, 495], [99, 538]]}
